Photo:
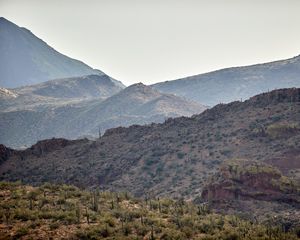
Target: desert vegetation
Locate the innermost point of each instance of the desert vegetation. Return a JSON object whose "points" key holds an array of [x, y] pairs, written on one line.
{"points": [[67, 212]]}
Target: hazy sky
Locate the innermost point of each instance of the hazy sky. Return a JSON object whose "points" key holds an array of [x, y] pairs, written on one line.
{"points": [[158, 40]]}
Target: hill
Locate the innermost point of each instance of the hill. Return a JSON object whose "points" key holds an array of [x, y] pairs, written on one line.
{"points": [[245, 154], [173, 158], [234, 84], [50, 110], [26, 59]]}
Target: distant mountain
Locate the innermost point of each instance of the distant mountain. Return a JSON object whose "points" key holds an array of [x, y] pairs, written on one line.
{"points": [[231, 84], [59, 92], [50, 109], [26, 59]]}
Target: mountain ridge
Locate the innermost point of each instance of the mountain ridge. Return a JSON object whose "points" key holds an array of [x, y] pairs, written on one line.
{"points": [[175, 157], [235, 83], [56, 113]]}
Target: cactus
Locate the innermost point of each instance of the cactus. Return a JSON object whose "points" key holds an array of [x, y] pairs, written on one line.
{"points": [[77, 212], [95, 200]]}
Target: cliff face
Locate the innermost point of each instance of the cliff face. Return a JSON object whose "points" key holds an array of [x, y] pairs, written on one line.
{"points": [[251, 181]]}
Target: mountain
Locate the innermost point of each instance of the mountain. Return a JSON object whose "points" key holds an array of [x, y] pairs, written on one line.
{"points": [[233, 84], [26, 59], [50, 109], [239, 158], [175, 158]]}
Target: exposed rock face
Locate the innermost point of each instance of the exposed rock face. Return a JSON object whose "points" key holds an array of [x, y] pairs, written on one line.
{"points": [[251, 181], [7, 94]]}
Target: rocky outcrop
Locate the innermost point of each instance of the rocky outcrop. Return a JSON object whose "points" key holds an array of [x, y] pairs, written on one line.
{"points": [[251, 181], [49, 145]]}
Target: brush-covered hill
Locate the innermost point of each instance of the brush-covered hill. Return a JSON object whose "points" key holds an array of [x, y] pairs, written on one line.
{"points": [[233, 84], [25, 59], [72, 108], [240, 158], [175, 158]]}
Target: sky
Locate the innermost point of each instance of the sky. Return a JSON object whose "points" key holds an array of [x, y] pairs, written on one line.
{"points": [[157, 40]]}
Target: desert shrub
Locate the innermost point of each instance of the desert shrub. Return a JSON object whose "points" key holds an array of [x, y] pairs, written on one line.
{"points": [[110, 221], [151, 160], [54, 225], [127, 229], [172, 234], [180, 155], [25, 214], [23, 231], [93, 233], [141, 230]]}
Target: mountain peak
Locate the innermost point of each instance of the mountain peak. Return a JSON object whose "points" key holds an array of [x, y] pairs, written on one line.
{"points": [[5, 22], [33, 60], [2, 19], [139, 87]]}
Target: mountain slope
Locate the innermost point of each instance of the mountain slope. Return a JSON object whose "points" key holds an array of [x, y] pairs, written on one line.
{"points": [[46, 117], [26, 59], [232, 84], [174, 158]]}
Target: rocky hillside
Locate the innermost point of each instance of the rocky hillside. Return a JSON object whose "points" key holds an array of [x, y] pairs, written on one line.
{"points": [[26, 59], [175, 158], [50, 109], [253, 188], [233, 84]]}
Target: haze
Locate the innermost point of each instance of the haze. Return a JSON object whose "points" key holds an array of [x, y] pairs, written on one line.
{"points": [[152, 41]]}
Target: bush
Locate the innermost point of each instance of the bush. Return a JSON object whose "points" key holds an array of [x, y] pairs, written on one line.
{"points": [[180, 155], [21, 232], [54, 225]]}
